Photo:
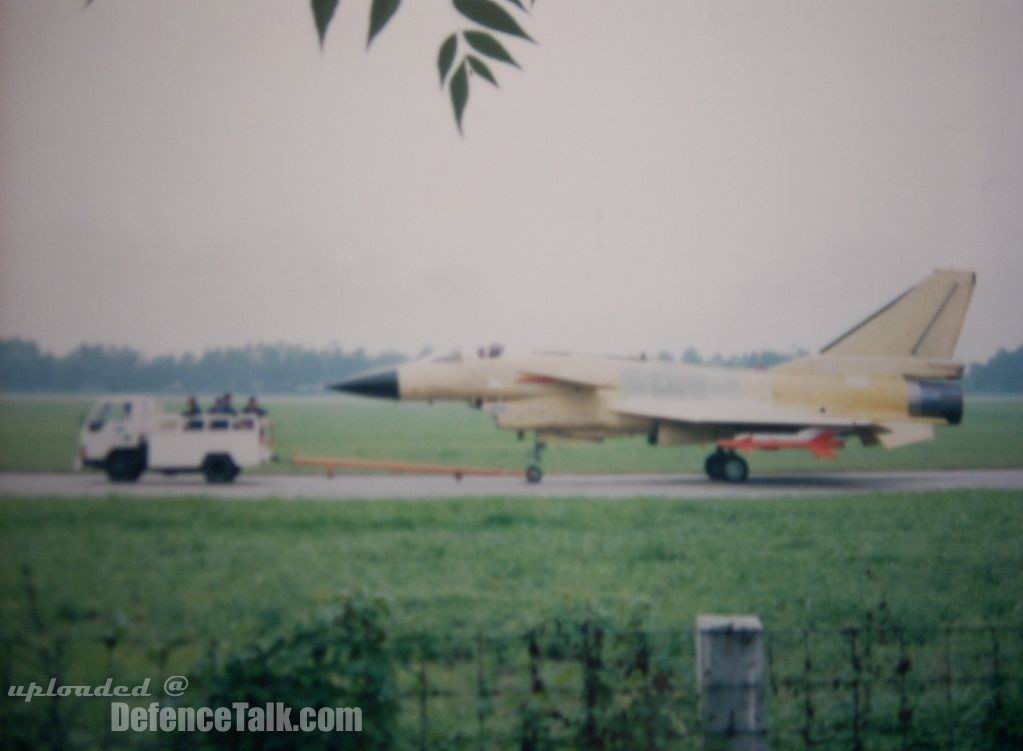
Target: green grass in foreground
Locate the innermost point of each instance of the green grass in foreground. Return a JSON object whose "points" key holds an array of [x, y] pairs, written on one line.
{"points": [[234, 568], [171, 579], [42, 434]]}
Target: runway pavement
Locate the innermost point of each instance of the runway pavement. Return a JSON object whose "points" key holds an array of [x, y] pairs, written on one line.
{"points": [[414, 487]]}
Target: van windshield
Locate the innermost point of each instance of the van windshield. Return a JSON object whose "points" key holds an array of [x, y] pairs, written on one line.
{"points": [[105, 412]]}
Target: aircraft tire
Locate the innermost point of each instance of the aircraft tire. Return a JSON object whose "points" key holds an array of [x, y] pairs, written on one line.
{"points": [[734, 468], [713, 466]]}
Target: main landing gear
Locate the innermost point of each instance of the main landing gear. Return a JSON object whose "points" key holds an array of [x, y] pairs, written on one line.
{"points": [[533, 472], [727, 466]]}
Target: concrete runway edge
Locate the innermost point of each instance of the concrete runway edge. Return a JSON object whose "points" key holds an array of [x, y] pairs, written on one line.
{"points": [[414, 487]]}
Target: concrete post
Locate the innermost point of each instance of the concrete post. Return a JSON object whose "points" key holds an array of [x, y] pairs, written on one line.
{"points": [[730, 668]]}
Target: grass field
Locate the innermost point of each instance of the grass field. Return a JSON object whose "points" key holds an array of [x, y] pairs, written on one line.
{"points": [[235, 568], [41, 434], [170, 580]]}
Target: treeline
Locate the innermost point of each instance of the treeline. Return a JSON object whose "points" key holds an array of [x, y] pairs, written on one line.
{"points": [[287, 368], [261, 368], [760, 359], [1002, 374]]}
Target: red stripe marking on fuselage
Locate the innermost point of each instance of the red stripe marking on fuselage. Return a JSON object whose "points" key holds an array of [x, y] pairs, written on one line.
{"points": [[528, 378]]}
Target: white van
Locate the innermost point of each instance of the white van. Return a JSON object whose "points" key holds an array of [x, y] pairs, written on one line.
{"points": [[127, 435]]}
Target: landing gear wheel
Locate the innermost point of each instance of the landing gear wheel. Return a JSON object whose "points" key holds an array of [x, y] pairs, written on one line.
{"points": [[734, 469], [714, 465], [533, 472], [219, 469], [124, 465]]}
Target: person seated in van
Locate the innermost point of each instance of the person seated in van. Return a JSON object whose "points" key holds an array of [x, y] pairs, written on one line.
{"points": [[252, 408], [191, 408], [224, 406]]}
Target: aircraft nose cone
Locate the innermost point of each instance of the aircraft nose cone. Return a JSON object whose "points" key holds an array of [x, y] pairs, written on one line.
{"points": [[382, 385]]}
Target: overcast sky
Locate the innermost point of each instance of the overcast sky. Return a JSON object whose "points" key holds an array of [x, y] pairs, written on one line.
{"points": [[728, 175]]}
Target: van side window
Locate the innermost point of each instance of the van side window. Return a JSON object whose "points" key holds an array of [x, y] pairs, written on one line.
{"points": [[218, 424], [193, 425]]}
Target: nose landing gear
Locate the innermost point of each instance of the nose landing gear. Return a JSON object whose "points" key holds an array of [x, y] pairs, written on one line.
{"points": [[533, 472], [727, 466]]}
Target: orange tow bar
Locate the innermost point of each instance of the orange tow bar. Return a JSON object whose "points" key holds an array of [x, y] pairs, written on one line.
{"points": [[375, 465]]}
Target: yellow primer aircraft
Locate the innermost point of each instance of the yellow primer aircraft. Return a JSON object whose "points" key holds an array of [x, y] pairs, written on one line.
{"points": [[888, 381]]}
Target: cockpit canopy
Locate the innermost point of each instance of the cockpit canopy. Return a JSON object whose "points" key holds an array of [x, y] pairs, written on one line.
{"points": [[489, 352]]}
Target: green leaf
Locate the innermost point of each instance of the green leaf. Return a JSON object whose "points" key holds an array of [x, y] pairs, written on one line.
{"points": [[485, 44], [323, 11], [379, 15], [459, 93], [446, 56], [480, 68], [518, 4], [490, 14]]}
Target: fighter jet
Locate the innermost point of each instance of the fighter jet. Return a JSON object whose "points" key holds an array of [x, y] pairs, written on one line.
{"points": [[888, 381]]}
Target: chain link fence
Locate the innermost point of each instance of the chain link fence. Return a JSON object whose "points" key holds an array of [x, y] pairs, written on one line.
{"points": [[886, 686], [572, 683]]}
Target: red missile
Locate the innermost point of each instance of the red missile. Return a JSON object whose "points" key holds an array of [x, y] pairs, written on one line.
{"points": [[823, 445]]}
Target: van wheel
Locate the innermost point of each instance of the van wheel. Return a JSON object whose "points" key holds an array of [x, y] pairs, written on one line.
{"points": [[125, 465], [219, 468]]}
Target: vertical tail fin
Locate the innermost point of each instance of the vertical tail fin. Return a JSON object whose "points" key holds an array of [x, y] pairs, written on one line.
{"points": [[923, 321]]}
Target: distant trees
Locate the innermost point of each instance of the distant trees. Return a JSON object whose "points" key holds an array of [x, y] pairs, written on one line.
{"points": [[758, 359], [1003, 373], [289, 368], [261, 368]]}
